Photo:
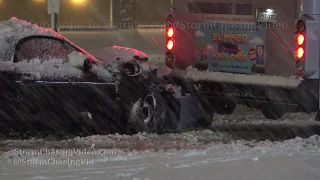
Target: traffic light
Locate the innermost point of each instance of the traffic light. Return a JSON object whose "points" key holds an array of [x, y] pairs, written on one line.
{"points": [[307, 47]]}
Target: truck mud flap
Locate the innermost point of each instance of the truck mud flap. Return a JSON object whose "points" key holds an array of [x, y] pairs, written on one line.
{"points": [[308, 95]]}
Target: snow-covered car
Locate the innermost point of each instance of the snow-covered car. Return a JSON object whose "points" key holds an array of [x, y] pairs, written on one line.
{"points": [[49, 83]]}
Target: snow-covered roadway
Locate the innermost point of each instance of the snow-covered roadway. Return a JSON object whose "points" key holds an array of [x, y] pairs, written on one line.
{"points": [[173, 156]]}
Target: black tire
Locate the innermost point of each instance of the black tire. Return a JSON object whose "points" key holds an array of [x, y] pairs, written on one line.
{"points": [[225, 107], [161, 117], [273, 113]]}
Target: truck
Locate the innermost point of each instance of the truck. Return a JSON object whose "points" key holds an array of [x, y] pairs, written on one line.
{"points": [[261, 54]]}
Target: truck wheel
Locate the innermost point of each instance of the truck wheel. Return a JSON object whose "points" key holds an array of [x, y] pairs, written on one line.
{"points": [[272, 113], [225, 107]]}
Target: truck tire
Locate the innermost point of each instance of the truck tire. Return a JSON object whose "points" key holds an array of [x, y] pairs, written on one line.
{"points": [[272, 112], [225, 107]]}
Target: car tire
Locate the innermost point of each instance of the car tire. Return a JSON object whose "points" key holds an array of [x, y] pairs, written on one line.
{"points": [[274, 112], [154, 113]]}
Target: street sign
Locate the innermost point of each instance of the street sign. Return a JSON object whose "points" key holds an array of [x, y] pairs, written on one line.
{"points": [[53, 6]]}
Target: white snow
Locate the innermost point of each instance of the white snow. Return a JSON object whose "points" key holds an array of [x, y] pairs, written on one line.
{"points": [[194, 74], [275, 81], [146, 162], [109, 53], [54, 69], [76, 59], [101, 72], [14, 30]]}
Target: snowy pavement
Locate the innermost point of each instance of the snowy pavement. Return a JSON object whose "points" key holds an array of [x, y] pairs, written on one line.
{"points": [[292, 159], [201, 154]]}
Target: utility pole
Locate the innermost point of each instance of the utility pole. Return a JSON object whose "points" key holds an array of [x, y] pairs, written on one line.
{"points": [[111, 12], [53, 10]]}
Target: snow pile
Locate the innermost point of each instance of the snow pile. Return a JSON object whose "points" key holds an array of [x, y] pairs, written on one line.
{"points": [[101, 72], [223, 77], [24, 27], [148, 146], [36, 69], [13, 30], [245, 115], [76, 59]]}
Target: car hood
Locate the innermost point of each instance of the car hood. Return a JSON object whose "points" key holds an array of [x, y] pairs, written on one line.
{"points": [[110, 53]]}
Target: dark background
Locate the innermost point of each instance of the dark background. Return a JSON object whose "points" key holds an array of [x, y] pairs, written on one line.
{"points": [[94, 12]]}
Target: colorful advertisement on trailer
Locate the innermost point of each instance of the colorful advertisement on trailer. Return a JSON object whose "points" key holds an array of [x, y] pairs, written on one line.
{"points": [[230, 47]]}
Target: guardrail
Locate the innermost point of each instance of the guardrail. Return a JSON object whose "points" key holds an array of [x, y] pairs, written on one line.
{"points": [[87, 28], [151, 26], [108, 28]]}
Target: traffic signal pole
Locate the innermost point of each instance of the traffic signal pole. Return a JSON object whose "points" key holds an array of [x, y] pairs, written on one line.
{"points": [[54, 22], [53, 10], [111, 12]]}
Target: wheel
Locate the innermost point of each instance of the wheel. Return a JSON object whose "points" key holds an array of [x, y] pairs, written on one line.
{"points": [[272, 112], [225, 107], [153, 114]]}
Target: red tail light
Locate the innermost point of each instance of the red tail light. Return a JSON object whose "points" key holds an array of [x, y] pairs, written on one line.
{"points": [[170, 39], [170, 32], [170, 45], [300, 39], [299, 52]]}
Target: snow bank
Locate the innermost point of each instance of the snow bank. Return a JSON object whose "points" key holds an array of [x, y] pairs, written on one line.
{"points": [[142, 146], [223, 77]]}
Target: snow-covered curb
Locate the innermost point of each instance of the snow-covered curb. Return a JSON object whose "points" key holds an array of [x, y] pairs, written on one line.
{"points": [[263, 80], [150, 145]]}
